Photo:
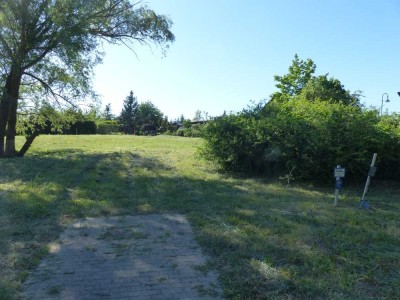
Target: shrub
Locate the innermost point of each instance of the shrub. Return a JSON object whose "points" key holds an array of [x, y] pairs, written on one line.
{"points": [[180, 131], [232, 142], [82, 127], [195, 130], [148, 129], [107, 127], [315, 136], [389, 138], [303, 138]]}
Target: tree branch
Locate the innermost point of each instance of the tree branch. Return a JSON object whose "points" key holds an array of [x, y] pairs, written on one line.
{"points": [[48, 88]]}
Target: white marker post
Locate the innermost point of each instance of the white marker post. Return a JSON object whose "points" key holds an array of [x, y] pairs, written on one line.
{"points": [[338, 173], [371, 173]]}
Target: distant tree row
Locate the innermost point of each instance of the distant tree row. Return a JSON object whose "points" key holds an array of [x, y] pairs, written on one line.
{"points": [[146, 118], [135, 118]]}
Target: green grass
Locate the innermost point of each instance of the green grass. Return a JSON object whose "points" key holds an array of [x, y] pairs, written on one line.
{"points": [[265, 240]]}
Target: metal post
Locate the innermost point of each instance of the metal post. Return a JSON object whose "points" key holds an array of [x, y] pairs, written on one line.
{"points": [[339, 173], [364, 203], [336, 191]]}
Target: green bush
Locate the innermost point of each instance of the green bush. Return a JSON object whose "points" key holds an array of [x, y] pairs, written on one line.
{"points": [[148, 129], [303, 138], [107, 127], [82, 127], [389, 138], [315, 136], [195, 130], [169, 132], [233, 142], [180, 131]]}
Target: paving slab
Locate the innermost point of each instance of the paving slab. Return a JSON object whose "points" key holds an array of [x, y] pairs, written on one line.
{"points": [[126, 257]]}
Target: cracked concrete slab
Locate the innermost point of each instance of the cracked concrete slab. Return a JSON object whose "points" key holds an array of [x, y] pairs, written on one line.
{"points": [[127, 257]]}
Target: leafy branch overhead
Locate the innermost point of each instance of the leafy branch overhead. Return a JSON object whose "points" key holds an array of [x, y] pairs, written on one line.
{"points": [[301, 82], [52, 45], [300, 72]]}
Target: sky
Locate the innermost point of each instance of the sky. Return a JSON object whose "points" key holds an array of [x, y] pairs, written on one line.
{"points": [[227, 52]]}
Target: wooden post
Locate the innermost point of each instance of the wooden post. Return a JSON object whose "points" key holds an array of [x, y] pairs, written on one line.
{"points": [[364, 203]]}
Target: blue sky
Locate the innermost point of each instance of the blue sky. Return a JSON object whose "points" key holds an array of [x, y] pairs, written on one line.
{"points": [[227, 51]]}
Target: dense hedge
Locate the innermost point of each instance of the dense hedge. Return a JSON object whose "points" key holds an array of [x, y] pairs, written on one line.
{"points": [[107, 127], [306, 139], [82, 127]]}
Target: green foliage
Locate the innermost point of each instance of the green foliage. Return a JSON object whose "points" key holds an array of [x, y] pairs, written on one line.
{"points": [[321, 88], [300, 80], [303, 138], [195, 130], [108, 127], [107, 112], [148, 113], [48, 50], [308, 127], [389, 138], [45, 119], [300, 72], [70, 121], [165, 125], [60, 38], [234, 143], [187, 128], [180, 131], [315, 136], [129, 114], [148, 129], [82, 127]]}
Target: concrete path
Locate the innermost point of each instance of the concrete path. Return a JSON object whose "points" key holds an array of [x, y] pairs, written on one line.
{"points": [[129, 257]]}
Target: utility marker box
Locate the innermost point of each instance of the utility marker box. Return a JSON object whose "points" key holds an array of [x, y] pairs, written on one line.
{"points": [[339, 172]]}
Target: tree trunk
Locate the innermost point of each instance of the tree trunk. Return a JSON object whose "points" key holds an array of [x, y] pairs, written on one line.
{"points": [[28, 143], [9, 111], [3, 122], [11, 128]]}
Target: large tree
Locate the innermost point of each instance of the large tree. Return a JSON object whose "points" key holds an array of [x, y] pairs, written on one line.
{"points": [[48, 49], [300, 72], [148, 113], [301, 82]]}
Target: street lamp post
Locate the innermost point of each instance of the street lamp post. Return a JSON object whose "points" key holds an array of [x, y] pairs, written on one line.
{"points": [[387, 100]]}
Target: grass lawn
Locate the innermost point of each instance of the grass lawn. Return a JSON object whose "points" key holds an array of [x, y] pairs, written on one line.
{"points": [[265, 240]]}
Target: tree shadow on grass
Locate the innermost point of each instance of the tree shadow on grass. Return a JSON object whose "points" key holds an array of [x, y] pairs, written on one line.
{"points": [[266, 241]]}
